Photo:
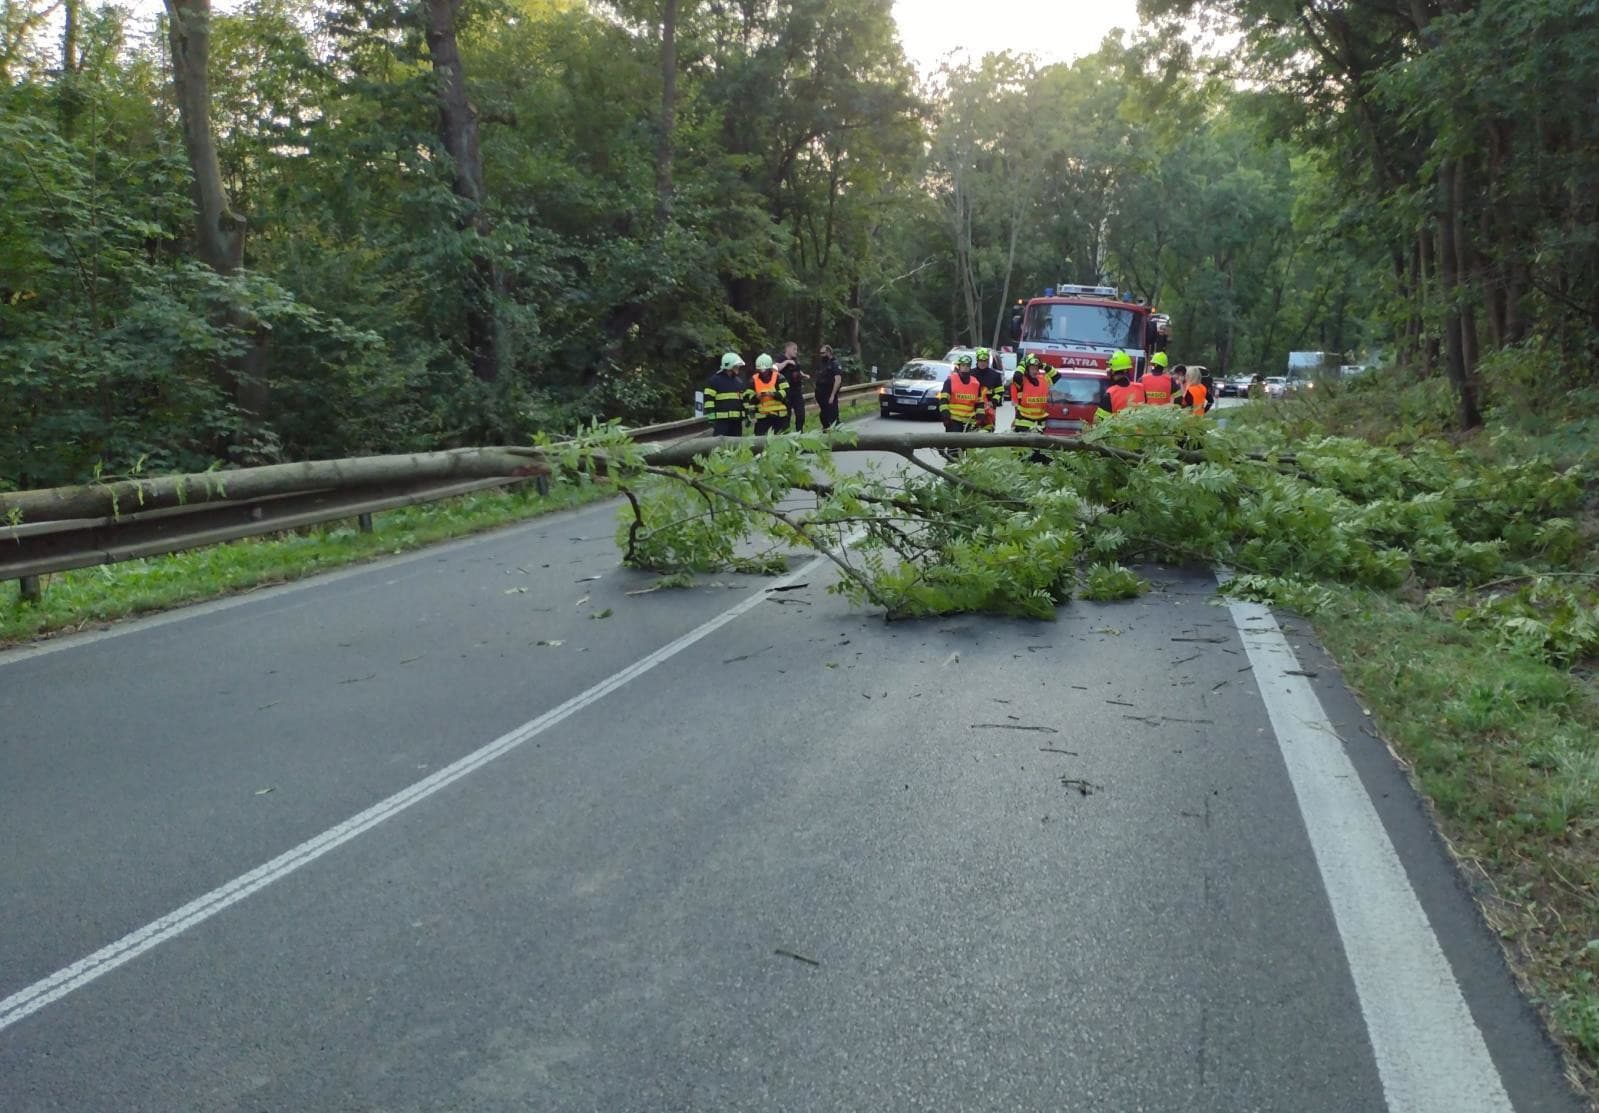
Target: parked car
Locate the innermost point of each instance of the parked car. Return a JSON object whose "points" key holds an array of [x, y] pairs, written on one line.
{"points": [[913, 391], [1073, 401], [1007, 360]]}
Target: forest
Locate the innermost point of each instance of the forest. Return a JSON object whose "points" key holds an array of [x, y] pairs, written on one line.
{"points": [[294, 230]]}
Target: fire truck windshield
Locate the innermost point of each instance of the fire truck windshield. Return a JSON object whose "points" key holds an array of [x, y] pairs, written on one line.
{"points": [[1095, 325]]}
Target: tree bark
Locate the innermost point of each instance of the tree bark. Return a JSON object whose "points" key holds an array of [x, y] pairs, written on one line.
{"points": [[663, 149], [130, 496], [1010, 265], [458, 131], [218, 229], [1455, 365]]}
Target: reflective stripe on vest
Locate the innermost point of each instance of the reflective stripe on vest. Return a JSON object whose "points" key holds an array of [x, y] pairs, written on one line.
{"points": [[964, 397], [1032, 398], [767, 401], [1157, 389]]}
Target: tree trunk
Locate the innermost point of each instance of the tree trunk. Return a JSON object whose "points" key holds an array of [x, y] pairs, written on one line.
{"points": [[663, 149], [1010, 265], [855, 317], [130, 496], [1455, 365], [67, 87], [218, 230], [458, 131]]}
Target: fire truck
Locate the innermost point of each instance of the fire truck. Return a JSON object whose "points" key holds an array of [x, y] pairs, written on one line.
{"points": [[1082, 326], [1077, 329]]}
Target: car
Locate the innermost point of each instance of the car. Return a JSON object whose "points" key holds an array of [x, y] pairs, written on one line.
{"points": [[1233, 386], [913, 391], [1007, 360], [1276, 386]]}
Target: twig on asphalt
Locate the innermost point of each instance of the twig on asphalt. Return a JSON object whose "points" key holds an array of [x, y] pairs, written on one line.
{"points": [[1012, 726], [795, 957], [1052, 750]]}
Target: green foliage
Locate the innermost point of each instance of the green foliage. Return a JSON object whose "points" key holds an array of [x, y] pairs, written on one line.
{"points": [[1108, 583]]}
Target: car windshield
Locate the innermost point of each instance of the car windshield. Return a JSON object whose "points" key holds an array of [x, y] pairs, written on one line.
{"points": [[1098, 325], [924, 372], [1075, 389]]}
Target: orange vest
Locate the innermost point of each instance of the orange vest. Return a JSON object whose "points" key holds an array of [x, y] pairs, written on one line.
{"points": [[767, 401], [1032, 397], [1157, 389], [965, 396], [1196, 397], [1123, 396]]}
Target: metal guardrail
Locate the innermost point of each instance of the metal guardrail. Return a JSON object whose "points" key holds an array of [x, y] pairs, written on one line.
{"points": [[31, 550]]}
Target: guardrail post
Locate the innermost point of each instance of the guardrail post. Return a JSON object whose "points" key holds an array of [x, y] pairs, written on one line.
{"points": [[29, 589], [363, 522]]}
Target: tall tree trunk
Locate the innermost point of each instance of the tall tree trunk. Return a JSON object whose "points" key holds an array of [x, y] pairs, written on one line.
{"points": [[663, 148], [218, 230], [1470, 264], [1455, 365], [67, 87], [458, 131], [855, 316], [1010, 265]]}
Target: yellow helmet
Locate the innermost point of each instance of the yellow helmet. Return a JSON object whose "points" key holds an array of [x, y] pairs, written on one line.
{"points": [[1158, 359], [1121, 361]]}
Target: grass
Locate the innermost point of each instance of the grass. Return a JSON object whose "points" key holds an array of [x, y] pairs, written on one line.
{"points": [[1502, 743], [1506, 749], [89, 596]]}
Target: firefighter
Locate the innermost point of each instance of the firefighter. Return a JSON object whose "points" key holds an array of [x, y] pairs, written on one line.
{"points": [[1122, 391], [993, 379], [1038, 365], [1157, 382], [727, 398], [1030, 392], [769, 391], [963, 399]]}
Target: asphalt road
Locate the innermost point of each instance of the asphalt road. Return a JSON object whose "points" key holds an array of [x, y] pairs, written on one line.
{"points": [[807, 861]]}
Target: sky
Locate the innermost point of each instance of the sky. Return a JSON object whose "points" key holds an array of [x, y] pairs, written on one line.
{"points": [[1051, 30]]}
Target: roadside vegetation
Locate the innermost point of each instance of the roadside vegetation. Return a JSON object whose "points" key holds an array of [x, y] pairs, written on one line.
{"points": [[89, 596]]}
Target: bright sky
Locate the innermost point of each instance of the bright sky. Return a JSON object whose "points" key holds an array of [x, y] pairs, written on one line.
{"points": [[1051, 30]]}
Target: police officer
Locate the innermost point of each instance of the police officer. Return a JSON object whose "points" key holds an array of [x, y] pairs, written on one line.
{"points": [[769, 397], [727, 398]]}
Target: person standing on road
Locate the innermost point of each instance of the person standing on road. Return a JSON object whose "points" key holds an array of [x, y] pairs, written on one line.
{"points": [[1030, 392], [993, 380], [789, 366], [727, 399], [1193, 398], [1157, 382], [961, 400], [769, 390], [1257, 386], [1121, 393], [829, 381]]}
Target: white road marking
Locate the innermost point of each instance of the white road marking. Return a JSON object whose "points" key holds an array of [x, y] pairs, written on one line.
{"points": [[26, 1002], [1430, 1054]]}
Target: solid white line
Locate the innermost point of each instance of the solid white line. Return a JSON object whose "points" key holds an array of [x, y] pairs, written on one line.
{"points": [[28, 1001], [1430, 1054]]}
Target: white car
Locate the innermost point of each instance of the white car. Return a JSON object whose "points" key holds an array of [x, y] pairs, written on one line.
{"points": [[1276, 386], [1007, 360]]}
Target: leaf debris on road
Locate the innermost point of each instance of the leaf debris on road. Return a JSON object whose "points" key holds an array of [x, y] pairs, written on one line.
{"points": [[358, 679], [1052, 750], [747, 656], [1083, 787], [1012, 726]]}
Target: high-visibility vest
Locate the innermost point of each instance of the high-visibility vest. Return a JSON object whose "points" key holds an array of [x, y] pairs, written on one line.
{"points": [[1196, 397], [963, 396], [768, 402], [1032, 398], [1157, 389], [1123, 396]]}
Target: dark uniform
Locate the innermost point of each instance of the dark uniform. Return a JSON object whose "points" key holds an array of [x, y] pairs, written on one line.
{"points": [[828, 373], [993, 392], [727, 404]]}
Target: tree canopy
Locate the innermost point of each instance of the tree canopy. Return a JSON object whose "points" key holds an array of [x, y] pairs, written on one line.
{"points": [[293, 231]]}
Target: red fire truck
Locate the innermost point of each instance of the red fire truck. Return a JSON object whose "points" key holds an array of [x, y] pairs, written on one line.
{"points": [[1078, 329]]}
